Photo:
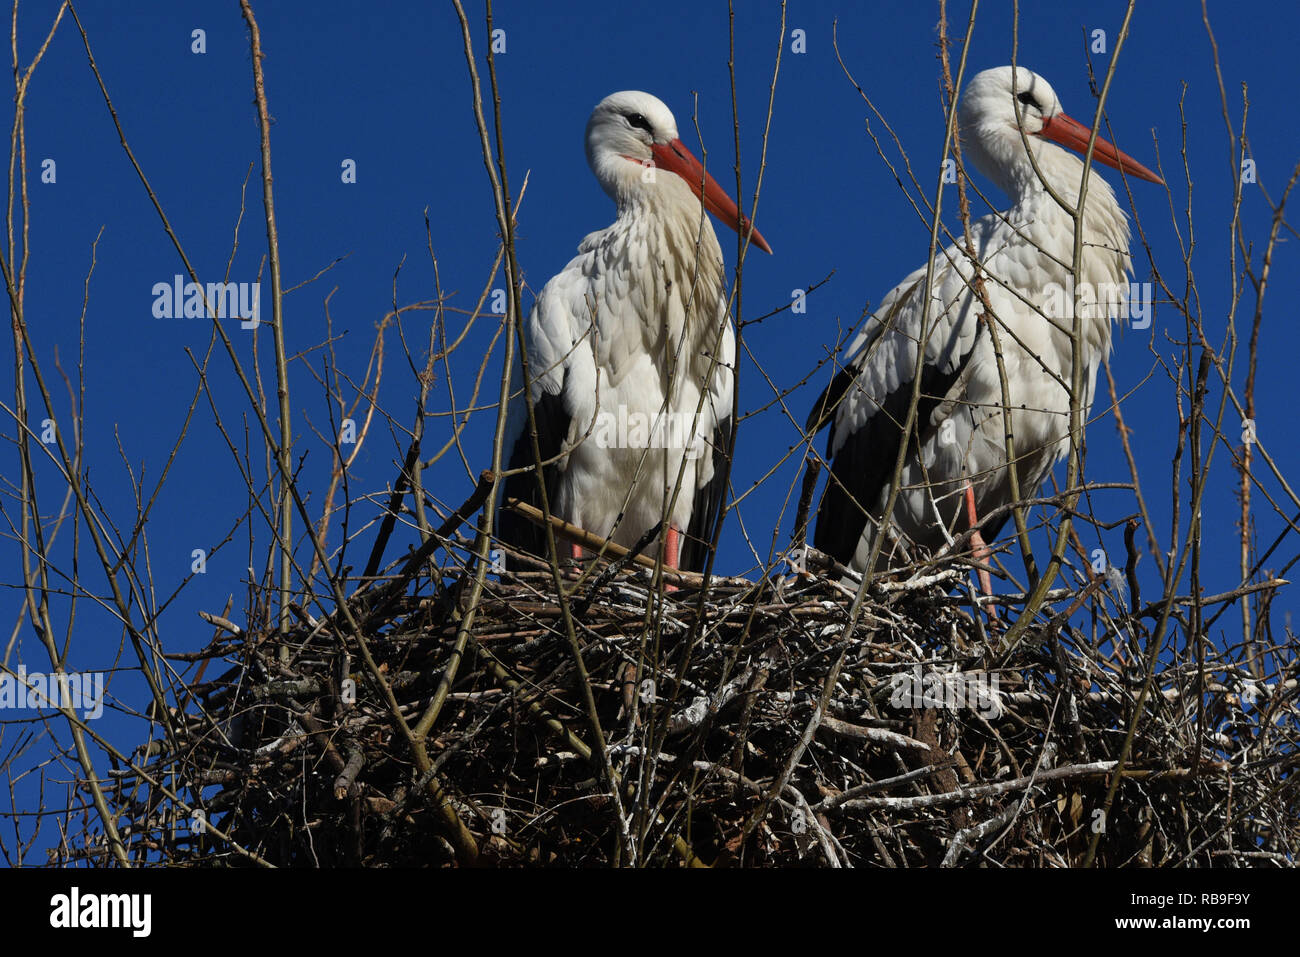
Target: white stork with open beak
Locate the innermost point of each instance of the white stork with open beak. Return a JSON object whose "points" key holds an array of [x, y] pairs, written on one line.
{"points": [[955, 468], [622, 344]]}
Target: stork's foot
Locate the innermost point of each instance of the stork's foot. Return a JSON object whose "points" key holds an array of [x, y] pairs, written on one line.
{"points": [[573, 567], [980, 552]]}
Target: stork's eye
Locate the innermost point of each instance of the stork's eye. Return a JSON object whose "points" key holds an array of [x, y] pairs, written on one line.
{"points": [[636, 119], [1028, 100]]}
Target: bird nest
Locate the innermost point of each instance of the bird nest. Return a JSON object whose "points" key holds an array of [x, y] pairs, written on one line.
{"points": [[644, 719]]}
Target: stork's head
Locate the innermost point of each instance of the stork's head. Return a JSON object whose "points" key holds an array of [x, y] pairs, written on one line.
{"points": [[631, 133], [991, 131]]}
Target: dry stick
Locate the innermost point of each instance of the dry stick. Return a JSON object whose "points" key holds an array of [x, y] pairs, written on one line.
{"points": [[437, 332], [18, 161], [735, 300], [920, 190], [804, 507], [1235, 232], [430, 716], [615, 567], [340, 465], [964, 795], [1130, 566], [285, 450], [440, 327], [389, 522], [417, 469], [1194, 536], [775, 556], [1261, 285], [1155, 609], [77, 403], [38, 608], [833, 801], [962, 840]]}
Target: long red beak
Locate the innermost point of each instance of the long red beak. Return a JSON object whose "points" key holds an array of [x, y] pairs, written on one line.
{"points": [[1069, 132], [676, 158]]}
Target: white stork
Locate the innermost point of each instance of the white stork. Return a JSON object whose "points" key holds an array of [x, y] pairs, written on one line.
{"points": [[622, 343], [957, 452]]}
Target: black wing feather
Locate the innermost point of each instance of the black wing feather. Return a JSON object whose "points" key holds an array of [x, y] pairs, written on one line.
{"points": [[828, 403], [866, 460], [707, 506], [552, 422]]}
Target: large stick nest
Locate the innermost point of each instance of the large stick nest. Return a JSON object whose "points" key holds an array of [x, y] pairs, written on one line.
{"points": [[748, 724]]}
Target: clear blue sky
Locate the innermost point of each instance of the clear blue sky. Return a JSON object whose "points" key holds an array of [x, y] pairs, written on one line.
{"points": [[386, 85]]}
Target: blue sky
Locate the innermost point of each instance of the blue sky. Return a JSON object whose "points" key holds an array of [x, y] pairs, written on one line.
{"points": [[387, 86]]}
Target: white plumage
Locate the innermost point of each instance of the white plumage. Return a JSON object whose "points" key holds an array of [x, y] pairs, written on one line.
{"points": [[1025, 255], [622, 343]]}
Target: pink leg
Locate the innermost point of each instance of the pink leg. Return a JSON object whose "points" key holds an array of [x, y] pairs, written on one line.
{"points": [[673, 546], [572, 568], [672, 552], [980, 549]]}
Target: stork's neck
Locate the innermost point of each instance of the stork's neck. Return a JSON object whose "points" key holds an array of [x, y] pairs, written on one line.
{"points": [[1000, 155], [665, 219], [658, 194], [662, 251]]}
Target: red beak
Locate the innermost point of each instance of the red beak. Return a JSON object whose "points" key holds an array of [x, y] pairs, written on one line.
{"points": [[676, 158], [1069, 132]]}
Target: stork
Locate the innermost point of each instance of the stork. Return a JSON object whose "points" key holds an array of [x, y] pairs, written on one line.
{"points": [[955, 468], [624, 345]]}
